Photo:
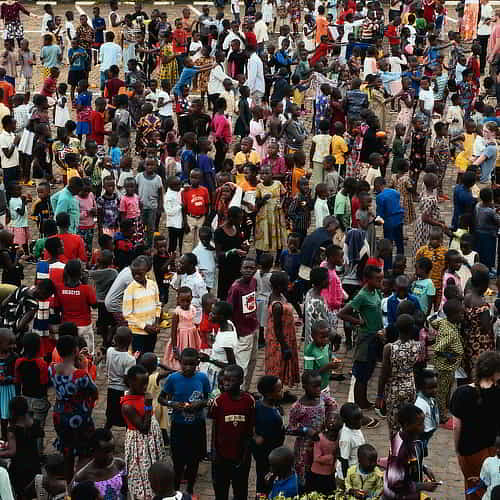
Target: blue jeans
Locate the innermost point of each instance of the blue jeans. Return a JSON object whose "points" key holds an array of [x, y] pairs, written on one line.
{"points": [[395, 234]]}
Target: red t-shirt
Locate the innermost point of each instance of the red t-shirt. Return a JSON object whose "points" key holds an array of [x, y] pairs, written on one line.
{"points": [[234, 421], [75, 304], [355, 204], [251, 39], [97, 127], [113, 86], [8, 91], [49, 87], [74, 248], [206, 328], [391, 33], [196, 200], [321, 51], [179, 40]]}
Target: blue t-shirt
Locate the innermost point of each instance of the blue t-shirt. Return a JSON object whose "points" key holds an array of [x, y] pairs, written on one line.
{"points": [[187, 389], [79, 62], [188, 162], [290, 263], [51, 54], [99, 22], [287, 488], [186, 78], [269, 425], [116, 156]]}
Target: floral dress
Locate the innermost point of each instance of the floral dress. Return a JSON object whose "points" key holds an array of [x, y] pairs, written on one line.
{"points": [[287, 371], [315, 309], [315, 417], [170, 70], [428, 205], [203, 76], [475, 342], [406, 113], [75, 398], [270, 226], [401, 386]]}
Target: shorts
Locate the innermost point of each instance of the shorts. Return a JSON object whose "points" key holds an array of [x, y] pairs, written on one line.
{"points": [[104, 317], [363, 370], [75, 75]]}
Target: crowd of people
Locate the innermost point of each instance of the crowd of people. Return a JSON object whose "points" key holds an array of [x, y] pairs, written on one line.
{"points": [[241, 184]]}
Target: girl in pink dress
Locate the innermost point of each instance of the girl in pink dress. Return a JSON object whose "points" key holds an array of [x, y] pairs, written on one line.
{"points": [[184, 331]]}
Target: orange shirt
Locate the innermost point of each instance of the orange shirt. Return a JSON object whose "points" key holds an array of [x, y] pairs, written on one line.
{"points": [[297, 173], [8, 91], [321, 28]]}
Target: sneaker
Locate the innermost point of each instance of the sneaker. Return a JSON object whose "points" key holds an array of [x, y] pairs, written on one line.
{"points": [[380, 412]]}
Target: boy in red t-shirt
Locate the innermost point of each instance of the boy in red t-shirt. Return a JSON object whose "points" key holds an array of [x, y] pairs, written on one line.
{"points": [[195, 206], [321, 51], [97, 122], [179, 43], [391, 32], [233, 414]]}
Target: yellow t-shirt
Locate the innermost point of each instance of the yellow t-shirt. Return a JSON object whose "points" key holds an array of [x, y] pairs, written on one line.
{"points": [[242, 158], [339, 148], [298, 97]]}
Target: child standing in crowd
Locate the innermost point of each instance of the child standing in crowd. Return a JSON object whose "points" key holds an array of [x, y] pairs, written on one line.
{"points": [[262, 277]]}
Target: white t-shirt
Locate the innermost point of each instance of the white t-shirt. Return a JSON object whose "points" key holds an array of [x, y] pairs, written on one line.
{"points": [[45, 21], [413, 34], [166, 109], [235, 6], [428, 97], [322, 142], [72, 30], [224, 340], [117, 364], [206, 263], [196, 48], [321, 210], [349, 442], [396, 63], [173, 208], [6, 140], [430, 423], [484, 29]]}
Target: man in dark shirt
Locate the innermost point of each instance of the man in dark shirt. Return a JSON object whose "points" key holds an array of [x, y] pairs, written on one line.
{"points": [[195, 120], [114, 84]]}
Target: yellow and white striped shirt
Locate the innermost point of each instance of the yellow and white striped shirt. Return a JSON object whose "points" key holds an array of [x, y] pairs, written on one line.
{"points": [[141, 306]]}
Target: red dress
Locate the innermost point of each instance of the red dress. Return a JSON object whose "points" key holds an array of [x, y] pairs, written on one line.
{"points": [[287, 371]]}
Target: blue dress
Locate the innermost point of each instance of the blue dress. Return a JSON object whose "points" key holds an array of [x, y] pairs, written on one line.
{"points": [[83, 125], [7, 386]]}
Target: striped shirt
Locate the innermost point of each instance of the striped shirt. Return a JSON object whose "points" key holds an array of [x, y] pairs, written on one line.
{"points": [[141, 306]]}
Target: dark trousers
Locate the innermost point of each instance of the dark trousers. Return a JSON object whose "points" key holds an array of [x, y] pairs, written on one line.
{"points": [[10, 175], [220, 154], [483, 41], [144, 343], [260, 454], [395, 234], [175, 237], [226, 473], [324, 484], [486, 246]]}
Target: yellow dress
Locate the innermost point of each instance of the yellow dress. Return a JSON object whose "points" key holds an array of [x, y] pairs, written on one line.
{"points": [[270, 227], [159, 411]]}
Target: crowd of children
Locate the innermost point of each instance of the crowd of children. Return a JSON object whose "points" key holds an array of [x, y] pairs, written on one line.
{"points": [[206, 234]]}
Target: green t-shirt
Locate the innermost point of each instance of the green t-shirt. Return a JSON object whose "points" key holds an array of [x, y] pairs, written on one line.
{"points": [[39, 248], [423, 289], [342, 209], [314, 358], [420, 23], [368, 305]]}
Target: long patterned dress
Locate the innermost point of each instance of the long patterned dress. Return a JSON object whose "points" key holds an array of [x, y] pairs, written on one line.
{"points": [[406, 113], [475, 342], [169, 71], [428, 205], [287, 371], [401, 386], [270, 226], [315, 417]]}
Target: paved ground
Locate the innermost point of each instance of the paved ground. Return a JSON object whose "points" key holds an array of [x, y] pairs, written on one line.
{"points": [[442, 458]]}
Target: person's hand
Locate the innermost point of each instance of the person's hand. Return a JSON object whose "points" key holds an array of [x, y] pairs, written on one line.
{"points": [[150, 329], [334, 363], [429, 486], [245, 246], [17, 140], [187, 229], [241, 252]]}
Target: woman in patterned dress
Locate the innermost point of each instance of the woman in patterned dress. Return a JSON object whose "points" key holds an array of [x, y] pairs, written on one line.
{"points": [[76, 394], [430, 214], [314, 410], [143, 440], [270, 227], [168, 70], [406, 102], [405, 185], [397, 381], [477, 328], [282, 355]]}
